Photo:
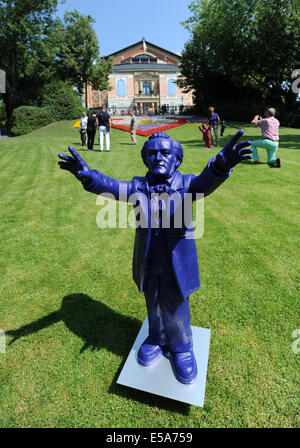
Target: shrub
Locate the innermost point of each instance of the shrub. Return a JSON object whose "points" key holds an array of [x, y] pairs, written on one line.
{"points": [[289, 116], [27, 118], [61, 100], [239, 111], [2, 115], [245, 111]]}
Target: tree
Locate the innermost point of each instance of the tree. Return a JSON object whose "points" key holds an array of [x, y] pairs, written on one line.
{"points": [[36, 49], [79, 58], [23, 23], [252, 45]]}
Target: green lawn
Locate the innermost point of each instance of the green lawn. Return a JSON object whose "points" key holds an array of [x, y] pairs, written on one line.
{"points": [[71, 311]]}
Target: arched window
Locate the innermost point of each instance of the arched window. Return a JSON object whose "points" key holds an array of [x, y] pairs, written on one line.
{"points": [[142, 58], [143, 55], [146, 88], [172, 87], [121, 88]]}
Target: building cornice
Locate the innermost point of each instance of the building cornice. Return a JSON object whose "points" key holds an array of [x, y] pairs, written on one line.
{"points": [[123, 68]]}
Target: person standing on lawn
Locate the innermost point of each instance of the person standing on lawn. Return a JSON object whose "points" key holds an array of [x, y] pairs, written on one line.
{"points": [[213, 121], [270, 141], [104, 124], [91, 129], [82, 129], [133, 127], [206, 135], [223, 126]]}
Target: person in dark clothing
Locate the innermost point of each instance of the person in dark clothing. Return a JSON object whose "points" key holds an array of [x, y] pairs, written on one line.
{"points": [[223, 126], [91, 129], [104, 124]]}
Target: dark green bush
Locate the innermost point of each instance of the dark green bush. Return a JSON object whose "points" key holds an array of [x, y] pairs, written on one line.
{"points": [[289, 116], [61, 100], [245, 111], [239, 111], [56, 101], [27, 118], [2, 115]]}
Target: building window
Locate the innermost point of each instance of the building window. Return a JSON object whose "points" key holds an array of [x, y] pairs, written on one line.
{"points": [[172, 87], [121, 87], [146, 88], [140, 59]]}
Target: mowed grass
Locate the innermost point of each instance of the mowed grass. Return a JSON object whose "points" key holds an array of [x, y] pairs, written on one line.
{"points": [[71, 311]]}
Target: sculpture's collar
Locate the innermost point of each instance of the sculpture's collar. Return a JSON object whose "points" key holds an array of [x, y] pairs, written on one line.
{"points": [[175, 182]]}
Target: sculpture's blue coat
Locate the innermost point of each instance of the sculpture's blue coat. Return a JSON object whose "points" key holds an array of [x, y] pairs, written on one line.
{"points": [[170, 273], [180, 241]]}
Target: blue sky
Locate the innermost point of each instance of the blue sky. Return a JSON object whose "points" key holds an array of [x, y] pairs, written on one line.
{"points": [[120, 23]]}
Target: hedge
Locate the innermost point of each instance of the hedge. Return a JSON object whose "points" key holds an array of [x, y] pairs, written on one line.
{"points": [[245, 111], [61, 100], [27, 118], [2, 115]]}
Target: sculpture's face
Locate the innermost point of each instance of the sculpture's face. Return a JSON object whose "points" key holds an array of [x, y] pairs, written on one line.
{"points": [[161, 158]]}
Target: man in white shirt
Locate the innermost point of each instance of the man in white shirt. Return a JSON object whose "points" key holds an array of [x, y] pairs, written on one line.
{"points": [[83, 129]]}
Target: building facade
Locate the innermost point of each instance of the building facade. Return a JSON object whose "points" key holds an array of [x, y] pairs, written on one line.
{"points": [[144, 77]]}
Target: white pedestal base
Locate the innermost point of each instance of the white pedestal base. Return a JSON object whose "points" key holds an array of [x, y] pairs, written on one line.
{"points": [[159, 378]]}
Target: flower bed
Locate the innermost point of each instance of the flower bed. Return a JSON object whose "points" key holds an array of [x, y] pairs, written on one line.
{"points": [[147, 127], [194, 120]]}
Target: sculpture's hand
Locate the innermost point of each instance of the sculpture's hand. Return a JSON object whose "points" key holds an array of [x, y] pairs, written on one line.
{"points": [[233, 154], [77, 166]]}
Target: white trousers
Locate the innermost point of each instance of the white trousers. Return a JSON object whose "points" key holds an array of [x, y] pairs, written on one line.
{"points": [[103, 131]]}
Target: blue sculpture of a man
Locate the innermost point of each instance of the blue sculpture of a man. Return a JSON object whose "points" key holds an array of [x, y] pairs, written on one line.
{"points": [[165, 266]]}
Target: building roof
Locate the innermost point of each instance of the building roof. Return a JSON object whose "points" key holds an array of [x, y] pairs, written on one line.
{"points": [[147, 43]]}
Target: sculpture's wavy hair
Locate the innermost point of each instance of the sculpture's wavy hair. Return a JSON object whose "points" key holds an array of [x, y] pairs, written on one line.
{"points": [[176, 146]]}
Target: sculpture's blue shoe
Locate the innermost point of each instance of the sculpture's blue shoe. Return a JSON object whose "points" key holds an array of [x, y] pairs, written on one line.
{"points": [[185, 366], [149, 353]]}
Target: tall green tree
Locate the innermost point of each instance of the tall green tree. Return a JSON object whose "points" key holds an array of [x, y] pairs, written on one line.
{"points": [[79, 60], [252, 45], [23, 23], [37, 48]]}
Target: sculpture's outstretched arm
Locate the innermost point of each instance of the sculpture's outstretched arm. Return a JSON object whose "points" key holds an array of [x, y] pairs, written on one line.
{"points": [[220, 166], [233, 154], [77, 166], [92, 180]]}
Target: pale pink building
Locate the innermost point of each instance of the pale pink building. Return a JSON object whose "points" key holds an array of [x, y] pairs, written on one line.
{"points": [[144, 75]]}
